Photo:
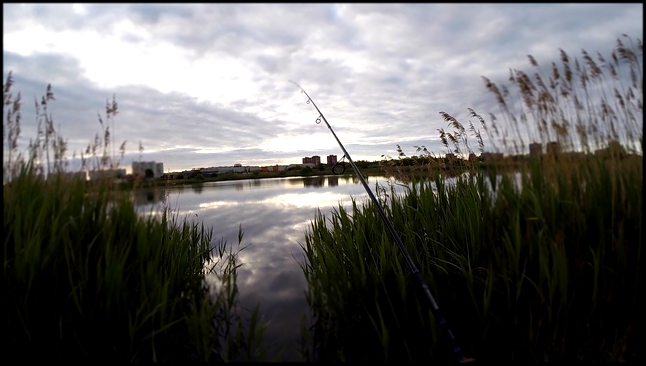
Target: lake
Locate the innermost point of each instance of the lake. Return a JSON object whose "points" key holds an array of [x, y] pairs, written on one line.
{"points": [[274, 214]]}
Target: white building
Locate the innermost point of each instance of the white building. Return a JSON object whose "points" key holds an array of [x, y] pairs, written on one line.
{"points": [[237, 168], [140, 167]]}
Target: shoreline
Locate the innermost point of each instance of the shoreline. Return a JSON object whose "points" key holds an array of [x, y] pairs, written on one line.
{"points": [[258, 175]]}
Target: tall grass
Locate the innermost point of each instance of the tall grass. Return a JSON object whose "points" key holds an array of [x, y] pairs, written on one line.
{"points": [[537, 262], [86, 278]]}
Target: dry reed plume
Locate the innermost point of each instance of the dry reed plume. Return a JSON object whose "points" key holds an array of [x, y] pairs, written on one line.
{"points": [[581, 106]]}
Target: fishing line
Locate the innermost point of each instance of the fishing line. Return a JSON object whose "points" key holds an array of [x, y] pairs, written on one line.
{"points": [[457, 350]]}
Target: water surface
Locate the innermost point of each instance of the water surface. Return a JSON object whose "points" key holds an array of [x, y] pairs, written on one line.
{"points": [[274, 215]]}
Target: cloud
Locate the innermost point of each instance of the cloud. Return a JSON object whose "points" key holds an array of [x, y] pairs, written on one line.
{"points": [[202, 81]]}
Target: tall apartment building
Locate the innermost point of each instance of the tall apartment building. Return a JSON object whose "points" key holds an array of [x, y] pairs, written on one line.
{"points": [[331, 160], [316, 160], [535, 149], [553, 147], [139, 168]]}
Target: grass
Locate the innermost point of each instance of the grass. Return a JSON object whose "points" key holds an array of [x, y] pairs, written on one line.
{"points": [[541, 262], [87, 278]]}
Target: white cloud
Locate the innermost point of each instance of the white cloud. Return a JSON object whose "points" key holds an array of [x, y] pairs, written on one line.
{"points": [[80, 9], [215, 76]]}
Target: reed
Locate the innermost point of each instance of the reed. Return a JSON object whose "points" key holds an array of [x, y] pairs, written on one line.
{"points": [[532, 257], [87, 278]]}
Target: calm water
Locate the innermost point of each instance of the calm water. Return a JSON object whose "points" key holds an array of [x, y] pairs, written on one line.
{"points": [[274, 215]]}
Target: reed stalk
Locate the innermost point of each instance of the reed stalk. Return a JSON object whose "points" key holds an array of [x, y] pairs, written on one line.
{"points": [[87, 278], [534, 257]]}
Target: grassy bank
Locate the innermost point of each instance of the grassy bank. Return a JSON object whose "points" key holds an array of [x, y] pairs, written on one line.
{"points": [[88, 278], [539, 263]]}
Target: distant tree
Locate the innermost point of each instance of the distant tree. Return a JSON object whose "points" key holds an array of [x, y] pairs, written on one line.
{"points": [[321, 167], [149, 174], [616, 149], [362, 164]]}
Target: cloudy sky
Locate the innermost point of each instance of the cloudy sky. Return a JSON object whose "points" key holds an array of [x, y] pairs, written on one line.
{"points": [[208, 84]]}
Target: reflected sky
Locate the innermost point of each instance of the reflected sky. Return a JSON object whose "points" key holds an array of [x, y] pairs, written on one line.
{"points": [[274, 214]]}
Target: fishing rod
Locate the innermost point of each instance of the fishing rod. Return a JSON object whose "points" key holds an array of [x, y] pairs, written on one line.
{"points": [[457, 350]]}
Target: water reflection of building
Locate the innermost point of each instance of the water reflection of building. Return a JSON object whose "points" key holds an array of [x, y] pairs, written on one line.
{"points": [[332, 181], [294, 182], [145, 196], [316, 181], [197, 187]]}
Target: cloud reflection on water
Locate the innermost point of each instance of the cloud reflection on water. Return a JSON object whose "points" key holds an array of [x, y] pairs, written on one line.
{"points": [[274, 215]]}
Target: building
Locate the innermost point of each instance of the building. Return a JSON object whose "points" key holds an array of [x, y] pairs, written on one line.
{"points": [[274, 168], [535, 149], [210, 172], [215, 171], [316, 160], [219, 170], [331, 160], [553, 147], [488, 156], [107, 173], [147, 169], [613, 149], [188, 174]]}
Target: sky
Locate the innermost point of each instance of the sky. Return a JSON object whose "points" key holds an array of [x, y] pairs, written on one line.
{"points": [[202, 85]]}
